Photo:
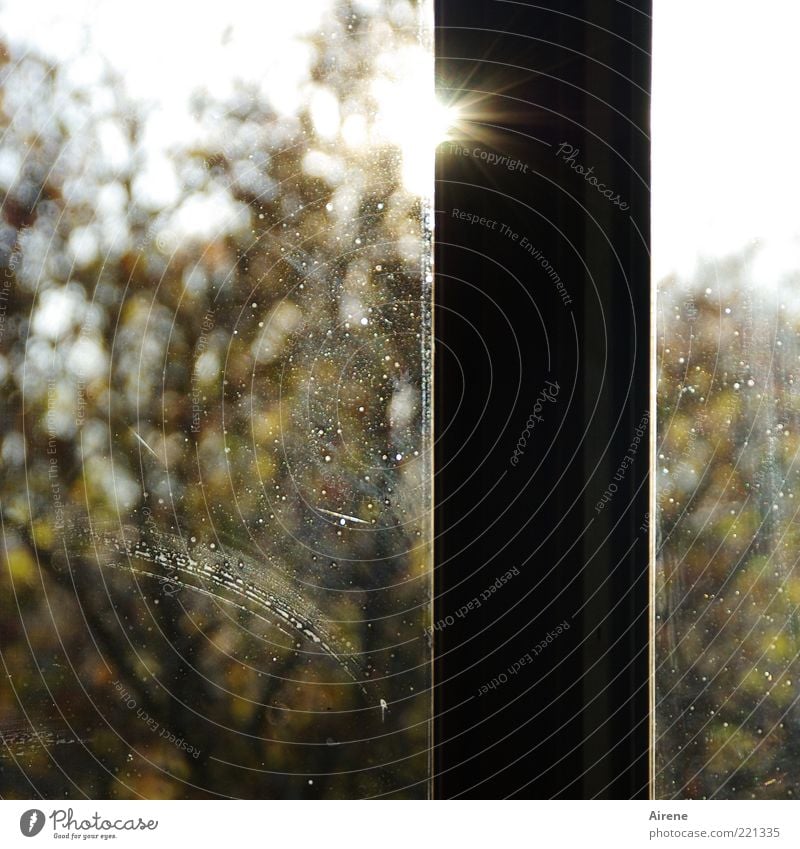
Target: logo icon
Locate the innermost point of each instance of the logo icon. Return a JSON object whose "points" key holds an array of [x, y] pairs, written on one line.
{"points": [[31, 822]]}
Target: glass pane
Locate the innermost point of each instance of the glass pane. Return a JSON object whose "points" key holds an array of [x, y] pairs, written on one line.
{"points": [[214, 358], [726, 261]]}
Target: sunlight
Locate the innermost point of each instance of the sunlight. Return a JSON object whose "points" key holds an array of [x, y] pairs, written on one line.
{"points": [[710, 200], [432, 124], [410, 116]]}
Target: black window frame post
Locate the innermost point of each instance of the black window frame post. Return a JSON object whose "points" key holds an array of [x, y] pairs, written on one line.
{"points": [[535, 83]]}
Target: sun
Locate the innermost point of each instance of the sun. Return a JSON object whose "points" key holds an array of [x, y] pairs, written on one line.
{"points": [[433, 123], [411, 117], [443, 118]]}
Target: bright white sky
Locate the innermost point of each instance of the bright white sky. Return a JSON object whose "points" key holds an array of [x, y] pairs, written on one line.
{"points": [[726, 132], [165, 51], [166, 48], [725, 122]]}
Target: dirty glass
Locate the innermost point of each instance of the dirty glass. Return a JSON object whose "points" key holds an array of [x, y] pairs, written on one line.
{"points": [[726, 260], [214, 368]]}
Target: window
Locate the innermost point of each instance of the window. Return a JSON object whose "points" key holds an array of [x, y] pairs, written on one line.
{"points": [[725, 262], [215, 361]]}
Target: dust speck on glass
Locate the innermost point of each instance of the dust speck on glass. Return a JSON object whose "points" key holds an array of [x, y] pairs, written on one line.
{"points": [[214, 362], [726, 460]]}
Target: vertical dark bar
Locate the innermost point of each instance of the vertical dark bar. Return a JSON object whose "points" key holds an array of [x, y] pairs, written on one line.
{"points": [[541, 409]]}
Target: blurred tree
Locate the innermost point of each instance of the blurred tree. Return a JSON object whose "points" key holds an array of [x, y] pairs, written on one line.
{"points": [[236, 364], [728, 630]]}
